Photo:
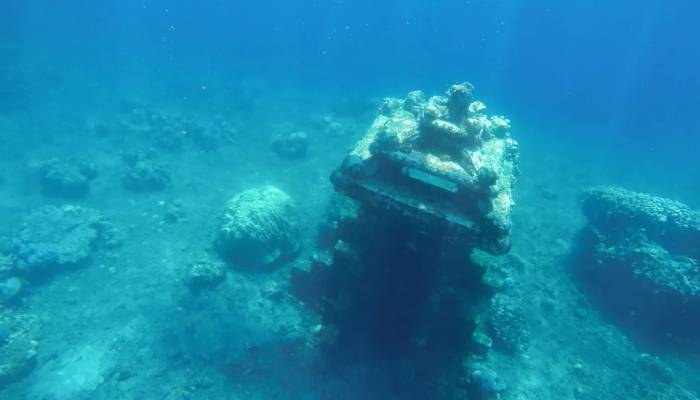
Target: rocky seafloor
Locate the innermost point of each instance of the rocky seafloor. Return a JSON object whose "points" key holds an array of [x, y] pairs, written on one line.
{"points": [[114, 285]]}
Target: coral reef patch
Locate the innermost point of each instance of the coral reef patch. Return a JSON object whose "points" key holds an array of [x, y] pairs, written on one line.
{"points": [[640, 253], [53, 238], [67, 178], [259, 227]]}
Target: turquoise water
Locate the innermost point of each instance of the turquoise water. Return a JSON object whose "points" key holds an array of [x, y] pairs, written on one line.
{"points": [[127, 126]]}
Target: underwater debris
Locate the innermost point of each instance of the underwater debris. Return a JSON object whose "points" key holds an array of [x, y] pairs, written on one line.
{"points": [[54, 237], [653, 365], [221, 131], [146, 176], [245, 324], [647, 248], [10, 286], [9, 289], [173, 211], [430, 181], [205, 139], [165, 135], [17, 350], [4, 333], [508, 325], [205, 274], [340, 208], [7, 264], [330, 126], [291, 145], [439, 166], [260, 227], [485, 382], [17, 359], [164, 131], [170, 131]]}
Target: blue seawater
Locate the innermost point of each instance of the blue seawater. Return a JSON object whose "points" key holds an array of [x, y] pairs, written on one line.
{"points": [[159, 112]]}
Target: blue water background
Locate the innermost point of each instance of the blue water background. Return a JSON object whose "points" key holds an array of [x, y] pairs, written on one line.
{"points": [[614, 85], [613, 67]]}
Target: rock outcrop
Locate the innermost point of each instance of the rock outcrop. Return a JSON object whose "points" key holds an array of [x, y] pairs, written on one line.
{"points": [[641, 254]]}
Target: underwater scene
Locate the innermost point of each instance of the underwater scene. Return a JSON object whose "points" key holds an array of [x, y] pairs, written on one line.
{"points": [[349, 200]]}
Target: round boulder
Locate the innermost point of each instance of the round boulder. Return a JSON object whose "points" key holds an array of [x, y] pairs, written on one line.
{"points": [[260, 227]]}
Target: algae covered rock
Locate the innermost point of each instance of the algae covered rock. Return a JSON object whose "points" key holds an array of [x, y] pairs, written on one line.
{"points": [[484, 381], [10, 286], [17, 350], [146, 176], [292, 145], [7, 264], [640, 255], [205, 274], [52, 237], [259, 227], [9, 289], [66, 178], [17, 359], [170, 131], [654, 239], [508, 324], [616, 212]]}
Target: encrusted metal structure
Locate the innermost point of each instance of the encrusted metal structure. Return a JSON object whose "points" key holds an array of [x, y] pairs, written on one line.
{"points": [[441, 161], [430, 181]]}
